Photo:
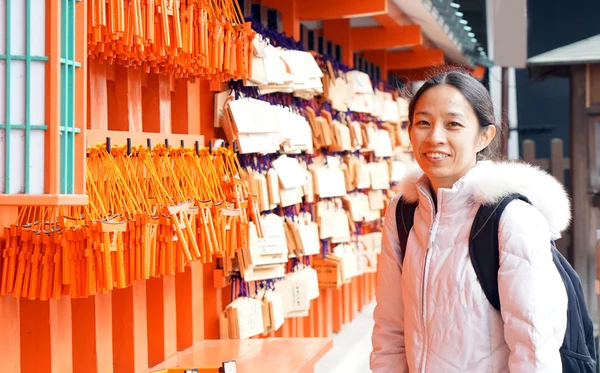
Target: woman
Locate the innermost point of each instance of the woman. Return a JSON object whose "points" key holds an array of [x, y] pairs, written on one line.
{"points": [[432, 314]]}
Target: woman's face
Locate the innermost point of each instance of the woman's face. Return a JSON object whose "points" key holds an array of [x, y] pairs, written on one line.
{"points": [[445, 135]]}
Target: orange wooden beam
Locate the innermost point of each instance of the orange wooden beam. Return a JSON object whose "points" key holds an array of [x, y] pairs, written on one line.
{"points": [[478, 72], [340, 32], [393, 17], [415, 59], [334, 9], [414, 74], [373, 38], [379, 58]]}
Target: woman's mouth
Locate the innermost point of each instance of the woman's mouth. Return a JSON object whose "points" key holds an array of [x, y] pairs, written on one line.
{"points": [[436, 156]]}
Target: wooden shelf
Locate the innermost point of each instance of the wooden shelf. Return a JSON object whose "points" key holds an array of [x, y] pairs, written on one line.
{"points": [[43, 199], [94, 137], [253, 355]]}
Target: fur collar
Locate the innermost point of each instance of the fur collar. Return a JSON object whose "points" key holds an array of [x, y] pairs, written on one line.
{"points": [[493, 181]]}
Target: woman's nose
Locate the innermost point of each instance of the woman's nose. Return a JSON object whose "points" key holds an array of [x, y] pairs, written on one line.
{"points": [[437, 134]]}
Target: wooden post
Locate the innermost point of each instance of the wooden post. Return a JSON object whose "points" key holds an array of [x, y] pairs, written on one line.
{"points": [[557, 160], [161, 318], [130, 344], [583, 234], [529, 151]]}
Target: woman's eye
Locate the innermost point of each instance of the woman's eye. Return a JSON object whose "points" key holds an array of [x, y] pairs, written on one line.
{"points": [[454, 124], [422, 123]]}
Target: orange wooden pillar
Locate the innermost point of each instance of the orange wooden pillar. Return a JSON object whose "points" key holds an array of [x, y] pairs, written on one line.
{"points": [[338, 31], [92, 317], [161, 318], [92, 334], [338, 309], [289, 14], [46, 340], [190, 305], [130, 336], [379, 58], [10, 338]]}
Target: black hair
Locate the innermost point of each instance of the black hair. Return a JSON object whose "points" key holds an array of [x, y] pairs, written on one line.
{"points": [[477, 95]]}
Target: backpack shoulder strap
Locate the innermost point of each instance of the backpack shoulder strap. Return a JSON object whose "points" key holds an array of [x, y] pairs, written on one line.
{"points": [[484, 246], [405, 215]]}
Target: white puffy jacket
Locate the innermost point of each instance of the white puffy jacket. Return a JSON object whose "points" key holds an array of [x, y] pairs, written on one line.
{"points": [[432, 315]]}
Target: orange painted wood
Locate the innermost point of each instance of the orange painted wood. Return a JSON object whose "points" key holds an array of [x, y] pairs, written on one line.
{"points": [[254, 355], [379, 58], [212, 303], [52, 117], [190, 306], [138, 138], [289, 15], [286, 329], [92, 334], [334, 9], [161, 318], [337, 310], [347, 303], [360, 291], [353, 298], [330, 315], [408, 60], [128, 96], [46, 336], [61, 335], [207, 128], [185, 113], [309, 322], [97, 99], [479, 72], [10, 346], [130, 336], [417, 74], [80, 95], [156, 104], [339, 32], [179, 104], [104, 332], [42, 200], [374, 38], [35, 336], [321, 316], [393, 17], [10, 339]]}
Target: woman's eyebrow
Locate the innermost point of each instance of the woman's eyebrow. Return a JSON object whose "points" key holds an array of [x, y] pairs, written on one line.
{"points": [[422, 113], [454, 114]]}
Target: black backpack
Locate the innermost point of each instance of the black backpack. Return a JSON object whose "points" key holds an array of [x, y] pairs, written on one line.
{"points": [[578, 352]]}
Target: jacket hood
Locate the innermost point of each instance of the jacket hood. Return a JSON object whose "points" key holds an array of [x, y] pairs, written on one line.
{"points": [[491, 181]]}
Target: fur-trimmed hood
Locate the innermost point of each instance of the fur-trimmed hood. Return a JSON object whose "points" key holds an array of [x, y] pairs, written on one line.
{"points": [[493, 181]]}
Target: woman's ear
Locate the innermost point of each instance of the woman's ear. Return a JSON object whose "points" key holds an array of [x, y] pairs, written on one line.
{"points": [[485, 137]]}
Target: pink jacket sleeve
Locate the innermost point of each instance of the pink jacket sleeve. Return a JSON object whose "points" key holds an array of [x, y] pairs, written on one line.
{"points": [[532, 294], [389, 355]]}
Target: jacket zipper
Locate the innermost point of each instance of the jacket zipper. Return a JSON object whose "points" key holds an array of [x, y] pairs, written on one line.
{"points": [[432, 234]]}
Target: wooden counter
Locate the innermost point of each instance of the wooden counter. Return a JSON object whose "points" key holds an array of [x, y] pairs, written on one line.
{"points": [[281, 355]]}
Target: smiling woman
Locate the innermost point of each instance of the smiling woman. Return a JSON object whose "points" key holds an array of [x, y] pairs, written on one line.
{"points": [[451, 127], [428, 282]]}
